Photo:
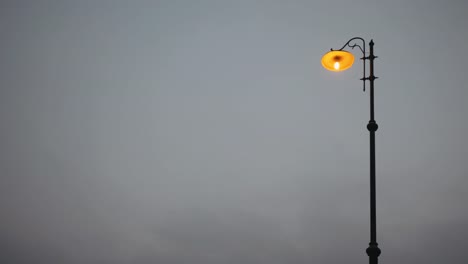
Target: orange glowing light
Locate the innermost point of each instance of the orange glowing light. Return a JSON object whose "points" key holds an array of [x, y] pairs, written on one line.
{"points": [[337, 60]]}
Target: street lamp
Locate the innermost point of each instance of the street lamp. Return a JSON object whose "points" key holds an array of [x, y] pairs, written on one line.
{"points": [[340, 60]]}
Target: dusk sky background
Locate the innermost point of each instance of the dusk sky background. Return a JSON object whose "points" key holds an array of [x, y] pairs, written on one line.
{"points": [[207, 132]]}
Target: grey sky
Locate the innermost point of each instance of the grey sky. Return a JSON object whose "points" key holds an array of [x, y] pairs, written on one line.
{"points": [[208, 132]]}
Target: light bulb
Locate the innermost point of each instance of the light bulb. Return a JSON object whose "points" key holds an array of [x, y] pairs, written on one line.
{"points": [[337, 65]]}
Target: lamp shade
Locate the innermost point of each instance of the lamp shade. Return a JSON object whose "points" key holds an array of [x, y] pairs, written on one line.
{"points": [[337, 60]]}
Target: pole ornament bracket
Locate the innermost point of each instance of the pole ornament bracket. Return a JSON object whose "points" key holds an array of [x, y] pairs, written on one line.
{"points": [[352, 43]]}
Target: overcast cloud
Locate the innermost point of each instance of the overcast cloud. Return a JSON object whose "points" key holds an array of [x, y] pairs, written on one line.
{"points": [[178, 132]]}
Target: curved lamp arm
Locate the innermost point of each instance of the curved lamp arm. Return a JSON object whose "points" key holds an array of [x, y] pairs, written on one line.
{"points": [[363, 50]]}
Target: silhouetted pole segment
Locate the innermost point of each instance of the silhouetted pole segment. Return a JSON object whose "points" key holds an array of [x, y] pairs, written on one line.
{"points": [[373, 250], [338, 60]]}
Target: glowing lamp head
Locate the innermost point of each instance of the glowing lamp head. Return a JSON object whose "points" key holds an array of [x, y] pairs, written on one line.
{"points": [[337, 60]]}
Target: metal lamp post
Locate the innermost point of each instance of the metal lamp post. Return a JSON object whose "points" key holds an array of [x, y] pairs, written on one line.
{"points": [[340, 60]]}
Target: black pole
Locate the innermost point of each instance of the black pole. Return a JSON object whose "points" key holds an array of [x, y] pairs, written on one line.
{"points": [[373, 250]]}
